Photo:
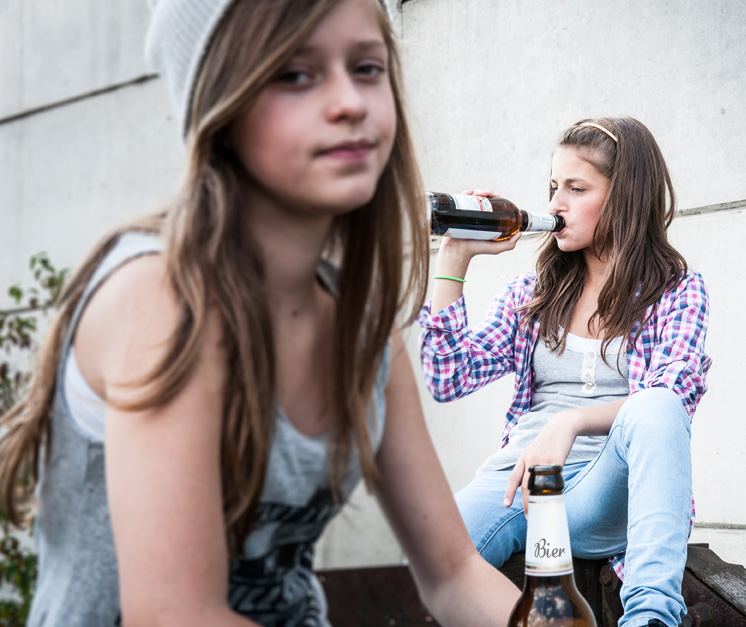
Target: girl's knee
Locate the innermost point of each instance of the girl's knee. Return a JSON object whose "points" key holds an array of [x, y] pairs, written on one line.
{"points": [[654, 410], [658, 396]]}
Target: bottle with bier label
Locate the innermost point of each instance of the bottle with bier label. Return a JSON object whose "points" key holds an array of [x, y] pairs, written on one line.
{"points": [[473, 217], [550, 596]]}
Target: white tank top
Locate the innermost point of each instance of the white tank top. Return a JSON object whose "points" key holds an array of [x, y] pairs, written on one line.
{"points": [[87, 409]]}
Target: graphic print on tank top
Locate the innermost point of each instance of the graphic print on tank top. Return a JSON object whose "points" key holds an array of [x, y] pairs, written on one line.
{"points": [[274, 583]]}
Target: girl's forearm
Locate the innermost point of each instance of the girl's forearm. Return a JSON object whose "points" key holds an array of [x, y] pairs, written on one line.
{"points": [[448, 264], [453, 260], [596, 419], [478, 595]]}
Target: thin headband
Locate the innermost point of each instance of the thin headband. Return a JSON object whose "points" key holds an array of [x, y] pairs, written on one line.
{"points": [[600, 128]]}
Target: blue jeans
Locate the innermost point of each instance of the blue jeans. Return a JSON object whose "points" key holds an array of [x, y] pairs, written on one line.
{"points": [[634, 496]]}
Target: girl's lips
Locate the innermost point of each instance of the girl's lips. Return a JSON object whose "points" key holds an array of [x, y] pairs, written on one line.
{"points": [[348, 154], [564, 226], [349, 151]]}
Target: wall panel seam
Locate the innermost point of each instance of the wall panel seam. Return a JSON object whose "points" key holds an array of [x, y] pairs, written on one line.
{"points": [[74, 99]]}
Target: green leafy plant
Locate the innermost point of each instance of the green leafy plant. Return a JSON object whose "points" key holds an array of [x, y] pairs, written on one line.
{"points": [[18, 329]]}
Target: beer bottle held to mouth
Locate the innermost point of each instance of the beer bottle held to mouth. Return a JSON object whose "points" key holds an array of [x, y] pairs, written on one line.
{"points": [[473, 217], [550, 596]]}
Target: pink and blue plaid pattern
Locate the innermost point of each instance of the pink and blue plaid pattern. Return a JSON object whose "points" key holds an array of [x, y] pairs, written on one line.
{"points": [[669, 353]]}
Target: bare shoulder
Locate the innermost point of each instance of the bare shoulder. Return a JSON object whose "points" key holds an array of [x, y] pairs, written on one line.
{"points": [[138, 284], [128, 324]]}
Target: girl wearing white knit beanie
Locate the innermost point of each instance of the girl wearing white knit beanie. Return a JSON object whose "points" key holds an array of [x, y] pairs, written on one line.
{"points": [[221, 375]]}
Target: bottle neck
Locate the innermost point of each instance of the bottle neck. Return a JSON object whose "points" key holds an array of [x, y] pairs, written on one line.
{"points": [[548, 552], [541, 222], [525, 220]]}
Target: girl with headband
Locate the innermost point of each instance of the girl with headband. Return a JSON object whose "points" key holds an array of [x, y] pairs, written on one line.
{"points": [[606, 342], [220, 376]]}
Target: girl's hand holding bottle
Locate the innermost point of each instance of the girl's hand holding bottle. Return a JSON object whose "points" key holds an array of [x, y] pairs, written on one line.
{"points": [[454, 257], [551, 446]]}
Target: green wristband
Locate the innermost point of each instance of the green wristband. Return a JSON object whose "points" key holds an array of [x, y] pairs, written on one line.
{"points": [[450, 278]]}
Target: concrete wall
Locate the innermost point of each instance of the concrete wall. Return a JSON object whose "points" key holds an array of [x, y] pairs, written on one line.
{"points": [[87, 139]]}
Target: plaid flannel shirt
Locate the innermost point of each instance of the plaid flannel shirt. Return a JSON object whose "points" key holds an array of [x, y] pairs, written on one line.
{"points": [[669, 353]]}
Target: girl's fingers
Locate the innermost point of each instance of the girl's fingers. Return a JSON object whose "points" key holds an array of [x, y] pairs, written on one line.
{"points": [[487, 193], [524, 492], [515, 479]]}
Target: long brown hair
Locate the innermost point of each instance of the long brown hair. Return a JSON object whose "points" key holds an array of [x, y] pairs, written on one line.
{"points": [[210, 266], [631, 233]]}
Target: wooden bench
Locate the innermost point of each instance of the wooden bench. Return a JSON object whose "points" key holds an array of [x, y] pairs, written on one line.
{"points": [[714, 592]]}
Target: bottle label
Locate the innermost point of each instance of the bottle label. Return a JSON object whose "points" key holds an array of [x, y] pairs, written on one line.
{"points": [[540, 222], [471, 203], [548, 537], [468, 234]]}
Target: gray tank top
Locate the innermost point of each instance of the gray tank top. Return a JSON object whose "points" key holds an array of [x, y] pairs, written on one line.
{"points": [[575, 378], [273, 583]]}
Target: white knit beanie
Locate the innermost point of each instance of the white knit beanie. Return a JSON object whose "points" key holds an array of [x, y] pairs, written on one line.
{"points": [[177, 40]]}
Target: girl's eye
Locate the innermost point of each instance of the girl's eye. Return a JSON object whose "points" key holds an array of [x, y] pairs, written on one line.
{"points": [[578, 190], [295, 77], [370, 70]]}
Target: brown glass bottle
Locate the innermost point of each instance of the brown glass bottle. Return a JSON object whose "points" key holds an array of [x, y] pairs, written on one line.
{"points": [[472, 217], [550, 596]]}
